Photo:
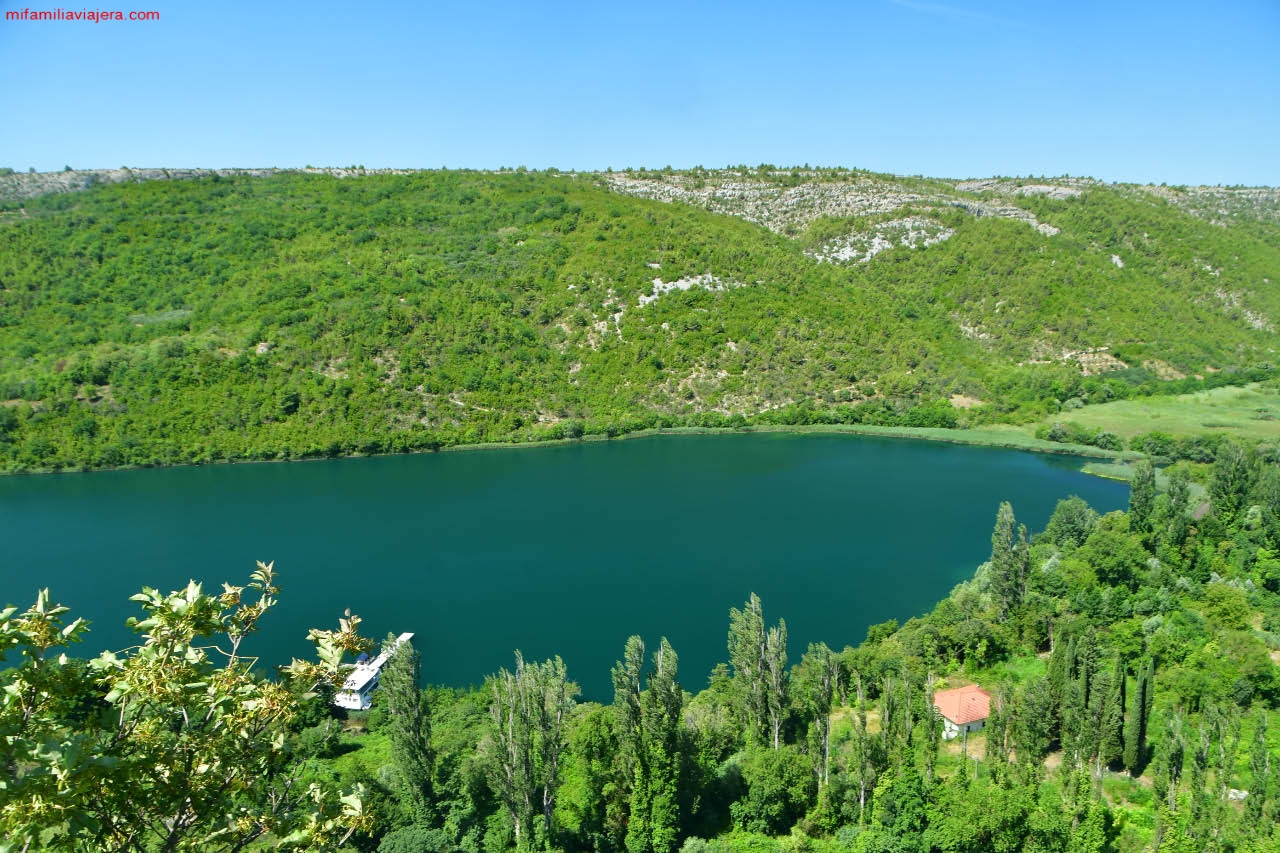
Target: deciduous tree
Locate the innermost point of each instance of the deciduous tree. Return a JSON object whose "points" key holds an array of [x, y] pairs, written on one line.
{"points": [[759, 659], [1142, 497], [174, 744], [819, 684], [528, 710]]}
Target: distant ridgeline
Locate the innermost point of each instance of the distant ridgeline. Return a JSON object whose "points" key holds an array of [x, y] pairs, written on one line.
{"points": [[261, 314]]}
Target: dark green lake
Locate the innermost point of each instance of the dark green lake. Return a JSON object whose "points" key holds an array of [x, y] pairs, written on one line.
{"points": [[559, 550]]}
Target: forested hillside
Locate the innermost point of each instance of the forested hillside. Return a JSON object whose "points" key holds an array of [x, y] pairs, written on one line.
{"points": [[294, 314], [1132, 660]]}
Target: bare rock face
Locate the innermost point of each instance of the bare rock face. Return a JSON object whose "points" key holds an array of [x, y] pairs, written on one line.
{"points": [[1063, 188], [1006, 211], [778, 208], [769, 200], [24, 185], [910, 232]]}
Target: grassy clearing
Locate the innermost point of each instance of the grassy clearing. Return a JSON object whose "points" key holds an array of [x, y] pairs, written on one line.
{"points": [[993, 436], [1250, 412], [1123, 471], [1109, 470], [1014, 671], [1133, 807], [362, 754]]}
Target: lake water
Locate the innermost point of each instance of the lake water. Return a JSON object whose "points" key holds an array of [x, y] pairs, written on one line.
{"points": [[556, 550]]}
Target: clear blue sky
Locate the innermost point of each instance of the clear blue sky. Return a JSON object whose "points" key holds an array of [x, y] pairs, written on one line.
{"points": [[1181, 92]]}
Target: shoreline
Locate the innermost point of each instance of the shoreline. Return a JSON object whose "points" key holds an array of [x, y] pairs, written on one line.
{"points": [[980, 437], [1003, 439]]}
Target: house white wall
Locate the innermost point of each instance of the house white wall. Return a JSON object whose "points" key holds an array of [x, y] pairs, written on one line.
{"points": [[951, 730]]}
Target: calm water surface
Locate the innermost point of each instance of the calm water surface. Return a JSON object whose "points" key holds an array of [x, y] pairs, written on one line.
{"points": [[561, 550]]}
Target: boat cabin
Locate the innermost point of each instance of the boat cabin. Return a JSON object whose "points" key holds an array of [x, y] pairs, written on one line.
{"points": [[357, 691]]}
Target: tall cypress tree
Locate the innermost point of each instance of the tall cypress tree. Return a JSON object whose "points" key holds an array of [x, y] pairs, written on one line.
{"points": [[1148, 698], [1168, 765], [1272, 810], [1267, 495], [1080, 714], [932, 731], [1073, 724], [1021, 565], [1135, 732], [1062, 663], [409, 727], [1033, 728], [1006, 576], [1200, 752], [1142, 498], [1092, 734], [1111, 736], [1259, 771], [997, 735], [552, 699]]}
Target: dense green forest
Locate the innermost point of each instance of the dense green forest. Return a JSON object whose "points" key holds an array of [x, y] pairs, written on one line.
{"points": [[296, 315], [1132, 658]]}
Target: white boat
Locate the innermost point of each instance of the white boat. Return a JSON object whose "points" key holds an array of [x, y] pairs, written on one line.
{"points": [[357, 691]]}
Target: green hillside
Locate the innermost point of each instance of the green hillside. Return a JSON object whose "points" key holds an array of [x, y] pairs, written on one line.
{"points": [[298, 314]]}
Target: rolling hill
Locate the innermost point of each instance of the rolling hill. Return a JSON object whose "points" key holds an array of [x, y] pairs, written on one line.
{"points": [[165, 317]]}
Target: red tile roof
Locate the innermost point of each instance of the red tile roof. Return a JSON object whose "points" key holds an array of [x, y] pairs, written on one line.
{"points": [[963, 704]]}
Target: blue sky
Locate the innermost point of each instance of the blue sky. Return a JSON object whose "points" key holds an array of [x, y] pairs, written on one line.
{"points": [[1176, 92]]}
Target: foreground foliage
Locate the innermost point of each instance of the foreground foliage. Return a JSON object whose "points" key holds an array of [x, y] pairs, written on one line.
{"points": [[175, 744]]}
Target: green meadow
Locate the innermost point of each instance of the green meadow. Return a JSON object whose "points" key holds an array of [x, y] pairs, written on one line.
{"points": [[1251, 412]]}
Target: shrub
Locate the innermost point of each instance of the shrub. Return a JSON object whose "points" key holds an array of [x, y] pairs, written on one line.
{"points": [[1153, 444], [1108, 441], [416, 839], [780, 789], [319, 741]]}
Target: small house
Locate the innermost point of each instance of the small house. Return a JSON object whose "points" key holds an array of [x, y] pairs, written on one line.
{"points": [[963, 709]]}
